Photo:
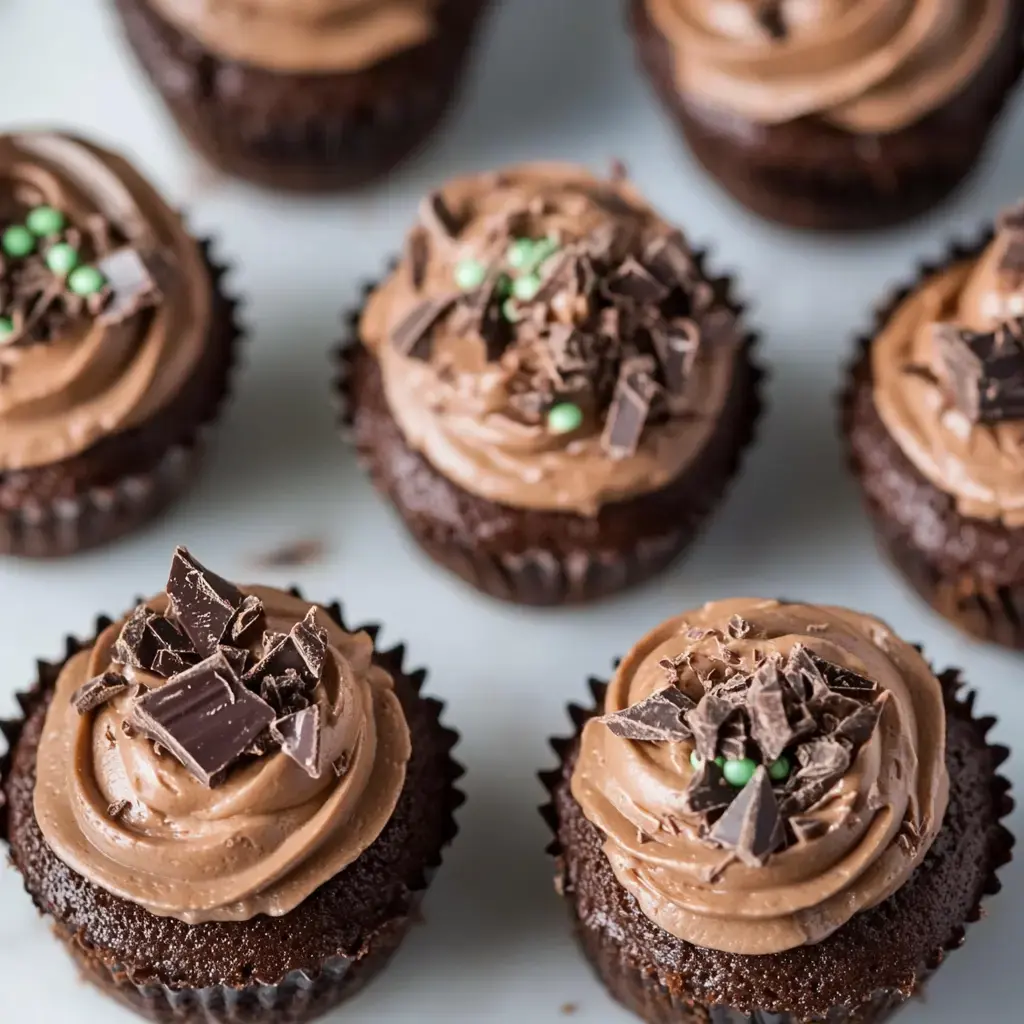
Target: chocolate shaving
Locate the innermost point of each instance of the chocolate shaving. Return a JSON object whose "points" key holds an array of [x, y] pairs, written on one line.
{"points": [[131, 283], [658, 719], [739, 628], [807, 829], [96, 692], [707, 790], [634, 281], [303, 650], [299, 736], [670, 260], [249, 620], [203, 602], [983, 371], [752, 825], [419, 256], [706, 721], [412, 335], [631, 405], [677, 348], [437, 217], [286, 693], [151, 642], [858, 727]]}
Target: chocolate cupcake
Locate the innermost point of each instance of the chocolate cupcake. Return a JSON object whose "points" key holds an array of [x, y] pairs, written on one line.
{"points": [[776, 812], [845, 115], [932, 415], [228, 803], [318, 95], [549, 387], [116, 346]]}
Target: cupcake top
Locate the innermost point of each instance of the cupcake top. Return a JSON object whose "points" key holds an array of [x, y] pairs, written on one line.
{"points": [[104, 299], [763, 771], [869, 66], [305, 35], [549, 342], [220, 753], [948, 371]]}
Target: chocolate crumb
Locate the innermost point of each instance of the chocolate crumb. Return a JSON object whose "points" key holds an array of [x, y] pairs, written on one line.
{"points": [[96, 692]]}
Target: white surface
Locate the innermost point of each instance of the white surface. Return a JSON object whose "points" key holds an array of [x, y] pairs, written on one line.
{"points": [[555, 78]]}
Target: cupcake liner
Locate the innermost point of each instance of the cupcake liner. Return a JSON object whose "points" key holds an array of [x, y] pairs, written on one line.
{"points": [[304, 132], [49, 527], [660, 525], [808, 174], [658, 999], [984, 593], [299, 995]]}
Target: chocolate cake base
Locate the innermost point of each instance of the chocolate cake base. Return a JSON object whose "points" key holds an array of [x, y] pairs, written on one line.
{"points": [[810, 174], [859, 974], [126, 479], [268, 970], [304, 132]]}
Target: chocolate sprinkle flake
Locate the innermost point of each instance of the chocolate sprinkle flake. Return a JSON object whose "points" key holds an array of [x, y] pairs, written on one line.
{"points": [[658, 719], [983, 371], [412, 335], [752, 826], [634, 393], [203, 602], [96, 692], [299, 736]]}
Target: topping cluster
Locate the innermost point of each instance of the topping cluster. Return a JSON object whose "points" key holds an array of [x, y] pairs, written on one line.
{"points": [[232, 689], [595, 334], [769, 745]]}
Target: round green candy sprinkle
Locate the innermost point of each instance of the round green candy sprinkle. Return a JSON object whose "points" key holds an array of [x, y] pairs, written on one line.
{"points": [[510, 311], [779, 770], [525, 288], [62, 258], [696, 760], [564, 418], [504, 286], [520, 254], [18, 241], [739, 772], [45, 220], [86, 280], [470, 274], [6, 327]]}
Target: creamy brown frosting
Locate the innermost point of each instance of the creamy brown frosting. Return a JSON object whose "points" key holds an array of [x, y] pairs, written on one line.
{"points": [[93, 377], [873, 827], [867, 66], [468, 410], [981, 465], [304, 35], [131, 819]]}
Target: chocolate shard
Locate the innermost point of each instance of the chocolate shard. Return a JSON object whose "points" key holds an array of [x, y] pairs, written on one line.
{"points": [[859, 727], [984, 371], [310, 640], [824, 758], [202, 719], [752, 826], [670, 260], [706, 721], [237, 658], [272, 639], [805, 674], [739, 628], [844, 680], [203, 602], [412, 336], [657, 719], [97, 691], [438, 218], [128, 647], [299, 736], [150, 641], [677, 346], [131, 283], [769, 723], [249, 621], [635, 391], [632, 280], [418, 255], [734, 737], [807, 829], [303, 650], [707, 790], [286, 693]]}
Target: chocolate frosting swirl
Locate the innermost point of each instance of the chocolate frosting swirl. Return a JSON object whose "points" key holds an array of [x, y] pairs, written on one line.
{"points": [[472, 390], [304, 35], [980, 464], [867, 66], [860, 842], [96, 375], [132, 820]]}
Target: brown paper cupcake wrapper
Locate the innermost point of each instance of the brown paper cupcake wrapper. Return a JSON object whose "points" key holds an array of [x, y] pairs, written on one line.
{"points": [[99, 514], [657, 1001], [312, 132], [539, 576], [300, 995]]}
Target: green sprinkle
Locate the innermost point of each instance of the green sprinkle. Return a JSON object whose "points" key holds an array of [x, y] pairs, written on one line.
{"points": [[18, 241], [739, 772], [86, 280], [525, 288], [44, 221], [504, 286], [520, 254], [62, 258], [696, 761], [510, 311], [6, 327], [470, 274], [564, 418], [779, 770]]}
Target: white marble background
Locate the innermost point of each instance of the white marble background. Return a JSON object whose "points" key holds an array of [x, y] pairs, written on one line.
{"points": [[555, 79]]}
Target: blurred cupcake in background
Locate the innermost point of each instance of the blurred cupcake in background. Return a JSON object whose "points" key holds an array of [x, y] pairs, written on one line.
{"points": [[304, 94], [549, 387], [841, 114]]}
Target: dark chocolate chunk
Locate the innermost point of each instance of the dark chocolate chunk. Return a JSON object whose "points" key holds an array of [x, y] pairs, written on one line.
{"points": [[807, 829], [706, 721], [412, 335], [752, 826], [248, 621], [130, 641], [418, 255], [635, 282], [984, 371], [96, 692], [203, 602], [237, 658], [823, 758], [707, 790], [202, 719], [769, 724], [437, 217], [805, 674], [733, 738], [286, 693], [670, 260], [150, 641], [310, 640], [131, 284], [677, 346], [658, 719], [303, 650], [272, 639], [845, 681], [299, 736], [858, 727], [631, 405]]}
